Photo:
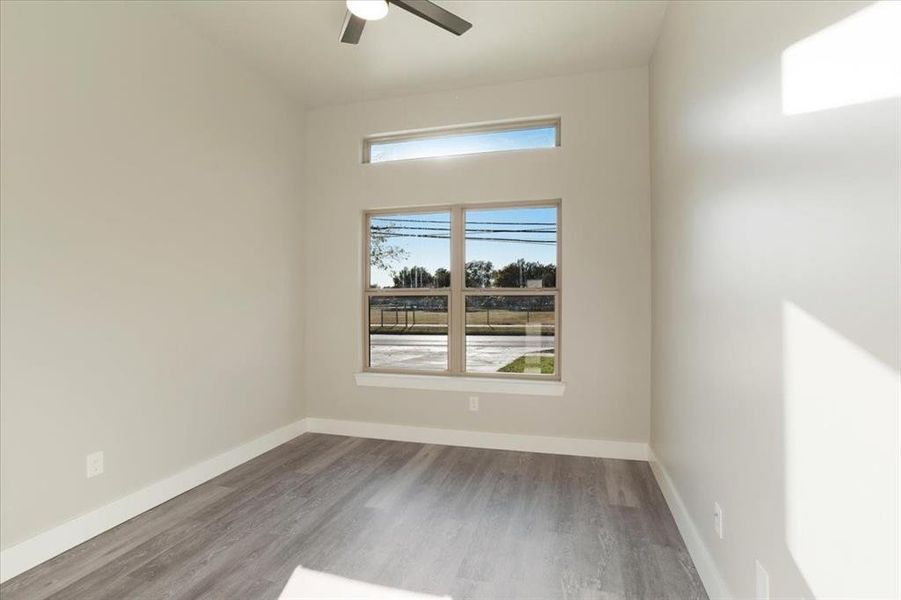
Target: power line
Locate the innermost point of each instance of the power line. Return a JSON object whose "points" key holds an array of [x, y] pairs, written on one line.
{"points": [[468, 222], [387, 229], [483, 239], [445, 221], [519, 241]]}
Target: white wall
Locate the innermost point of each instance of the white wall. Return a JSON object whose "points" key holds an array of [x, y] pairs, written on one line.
{"points": [[601, 174], [150, 255], [776, 249]]}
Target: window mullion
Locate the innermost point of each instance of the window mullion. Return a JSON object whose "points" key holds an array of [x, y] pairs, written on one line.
{"points": [[457, 304]]}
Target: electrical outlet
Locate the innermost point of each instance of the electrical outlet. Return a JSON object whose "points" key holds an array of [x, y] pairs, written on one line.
{"points": [[718, 519], [94, 464], [761, 582], [474, 403]]}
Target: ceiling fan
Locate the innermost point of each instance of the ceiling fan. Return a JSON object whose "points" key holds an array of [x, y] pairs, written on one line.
{"points": [[360, 11]]}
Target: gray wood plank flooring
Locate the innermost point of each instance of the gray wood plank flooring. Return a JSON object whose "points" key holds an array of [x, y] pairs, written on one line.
{"points": [[443, 520]]}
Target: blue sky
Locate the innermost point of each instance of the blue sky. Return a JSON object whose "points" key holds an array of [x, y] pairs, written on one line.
{"points": [[469, 143], [531, 224]]}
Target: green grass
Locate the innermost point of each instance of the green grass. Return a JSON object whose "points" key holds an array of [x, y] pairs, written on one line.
{"points": [[496, 317], [401, 330], [438, 329], [425, 322], [519, 365]]}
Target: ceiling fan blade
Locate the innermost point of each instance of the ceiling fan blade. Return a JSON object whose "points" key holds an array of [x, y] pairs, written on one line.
{"points": [[352, 28], [434, 14]]}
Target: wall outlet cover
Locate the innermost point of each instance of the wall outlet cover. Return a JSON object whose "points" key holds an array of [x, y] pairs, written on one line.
{"points": [[474, 403], [94, 464], [761, 582], [718, 519]]}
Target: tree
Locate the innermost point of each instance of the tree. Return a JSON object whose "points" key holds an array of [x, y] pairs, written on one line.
{"points": [[478, 273], [442, 278], [413, 277], [383, 255], [519, 273]]}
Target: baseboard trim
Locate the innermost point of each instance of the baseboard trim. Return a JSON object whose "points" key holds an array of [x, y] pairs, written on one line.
{"points": [[44, 546], [482, 439], [704, 563]]}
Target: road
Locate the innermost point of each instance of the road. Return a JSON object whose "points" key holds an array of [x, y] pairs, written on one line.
{"points": [[484, 353]]}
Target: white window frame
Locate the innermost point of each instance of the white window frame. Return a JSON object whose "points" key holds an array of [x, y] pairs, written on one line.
{"points": [[457, 293]]}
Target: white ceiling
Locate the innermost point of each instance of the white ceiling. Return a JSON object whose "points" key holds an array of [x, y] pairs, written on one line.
{"points": [[296, 43]]}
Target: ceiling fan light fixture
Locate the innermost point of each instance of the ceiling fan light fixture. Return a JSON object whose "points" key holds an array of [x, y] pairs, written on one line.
{"points": [[370, 10]]}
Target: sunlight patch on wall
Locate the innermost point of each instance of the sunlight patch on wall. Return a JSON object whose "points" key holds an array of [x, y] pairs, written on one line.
{"points": [[855, 60], [306, 584], [841, 461]]}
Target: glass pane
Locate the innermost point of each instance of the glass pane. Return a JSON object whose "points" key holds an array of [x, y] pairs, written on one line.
{"points": [[510, 334], [542, 136], [409, 250], [408, 332], [511, 247]]}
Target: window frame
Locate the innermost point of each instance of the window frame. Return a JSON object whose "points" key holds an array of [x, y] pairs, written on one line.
{"points": [[442, 132], [457, 292]]}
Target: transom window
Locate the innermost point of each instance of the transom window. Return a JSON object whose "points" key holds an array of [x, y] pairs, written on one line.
{"points": [[455, 141], [464, 289]]}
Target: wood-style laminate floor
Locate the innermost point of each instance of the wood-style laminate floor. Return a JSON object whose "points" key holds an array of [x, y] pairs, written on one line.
{"points": [[463, 522]]}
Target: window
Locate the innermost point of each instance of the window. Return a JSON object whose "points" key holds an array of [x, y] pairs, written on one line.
{"points": [[464, 290], [523, 135]]}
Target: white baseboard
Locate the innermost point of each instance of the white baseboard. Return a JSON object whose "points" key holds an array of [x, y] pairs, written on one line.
{"points": [[700, 555], [46, 545], [482, 439]]}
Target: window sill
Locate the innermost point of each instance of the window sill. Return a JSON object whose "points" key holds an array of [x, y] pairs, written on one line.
{"points": [[487, 385]]}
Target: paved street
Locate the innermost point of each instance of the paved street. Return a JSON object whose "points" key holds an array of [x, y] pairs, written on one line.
{"points": [[484, 353]]}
